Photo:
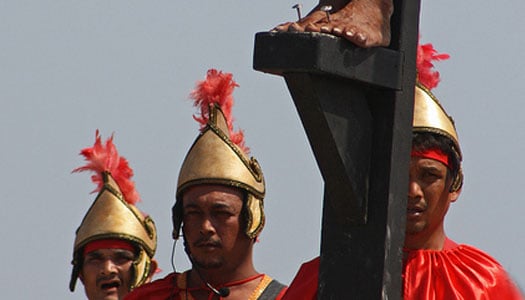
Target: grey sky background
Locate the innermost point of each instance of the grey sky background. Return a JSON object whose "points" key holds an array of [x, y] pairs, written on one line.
{"points": [[127, 67]]}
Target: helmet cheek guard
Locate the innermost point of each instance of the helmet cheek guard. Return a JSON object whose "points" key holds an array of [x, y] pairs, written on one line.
{"points": [[176, 217], [255, 218], [141, 269], [77, 261]]}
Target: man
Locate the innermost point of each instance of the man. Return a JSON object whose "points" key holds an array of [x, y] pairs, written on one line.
{"points": [[219, 207], [115, 243], [365, 23], [434, 267]]}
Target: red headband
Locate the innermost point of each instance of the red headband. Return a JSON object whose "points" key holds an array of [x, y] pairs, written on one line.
{"points": [[435, 154], [108, 244]]}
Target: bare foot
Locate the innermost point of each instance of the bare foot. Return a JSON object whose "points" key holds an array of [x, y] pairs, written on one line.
{"points": [[299, 26], [365, 23]]}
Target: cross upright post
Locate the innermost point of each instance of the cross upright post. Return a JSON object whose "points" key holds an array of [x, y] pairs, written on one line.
{"points": [[356, 107]]}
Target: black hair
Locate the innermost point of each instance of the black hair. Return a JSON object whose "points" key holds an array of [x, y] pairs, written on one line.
{"points": [[245, 214]]}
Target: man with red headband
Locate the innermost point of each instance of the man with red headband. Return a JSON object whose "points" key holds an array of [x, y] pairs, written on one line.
{"points": [[365, 23], [218, 208], [115, 243], [434, 267]]}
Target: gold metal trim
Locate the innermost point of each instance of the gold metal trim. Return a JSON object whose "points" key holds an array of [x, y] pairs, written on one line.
{"points": [[265, 281]]}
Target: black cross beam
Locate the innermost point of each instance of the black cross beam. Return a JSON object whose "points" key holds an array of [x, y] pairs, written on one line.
{"points": [[356, 107]]}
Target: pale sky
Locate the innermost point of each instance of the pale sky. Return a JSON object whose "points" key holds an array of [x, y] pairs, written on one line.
{"points": [[127, 67]]}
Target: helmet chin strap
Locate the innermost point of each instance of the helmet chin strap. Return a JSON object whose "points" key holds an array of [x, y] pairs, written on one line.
{"points": [[173, 255]]}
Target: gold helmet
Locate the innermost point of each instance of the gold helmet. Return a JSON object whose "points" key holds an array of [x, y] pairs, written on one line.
{"points": [[218, 155], [113, 217], [429, 115]]}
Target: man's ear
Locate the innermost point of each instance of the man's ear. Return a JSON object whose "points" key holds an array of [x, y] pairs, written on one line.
{"points": [[152, 270], [453, 196]]}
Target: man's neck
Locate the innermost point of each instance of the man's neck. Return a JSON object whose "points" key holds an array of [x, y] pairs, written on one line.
{"points": [[435, 241], [219, 276], [238, 284]]}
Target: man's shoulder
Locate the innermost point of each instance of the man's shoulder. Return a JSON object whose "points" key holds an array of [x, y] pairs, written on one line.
{"points": [[464, 258], [271, 289], [474, 255], [461, 270], [488, 274]]}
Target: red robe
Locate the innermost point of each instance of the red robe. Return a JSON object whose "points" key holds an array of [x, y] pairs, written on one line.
{"points": [[456, 272], [174, 287]]}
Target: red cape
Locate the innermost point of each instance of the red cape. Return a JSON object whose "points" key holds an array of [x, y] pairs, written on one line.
{"points": [[174, 287], [457, 272], [304, 285], [158, 289]]}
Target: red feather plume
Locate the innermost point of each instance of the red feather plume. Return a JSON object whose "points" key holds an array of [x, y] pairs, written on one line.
{"points": [[217, 88], [426, 75], [105, 158]]}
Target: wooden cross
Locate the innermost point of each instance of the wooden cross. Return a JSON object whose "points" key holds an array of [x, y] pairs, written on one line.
{"points": [[356, 107]]}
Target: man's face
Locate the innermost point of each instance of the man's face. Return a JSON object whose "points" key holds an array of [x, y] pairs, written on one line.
{"points": [[106, 274], [428, 197], [212, 227]]}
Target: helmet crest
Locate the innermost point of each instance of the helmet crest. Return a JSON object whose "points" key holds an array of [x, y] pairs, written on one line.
{"points": [[105, 158], [217, 90], [426, 55]]}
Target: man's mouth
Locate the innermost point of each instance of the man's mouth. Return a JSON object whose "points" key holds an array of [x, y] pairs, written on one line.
{"points": [[208, 244], [414, 211], [110, 284]]}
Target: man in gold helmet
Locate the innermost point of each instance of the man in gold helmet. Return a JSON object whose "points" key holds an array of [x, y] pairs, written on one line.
{"points": [[115, 243], [218, 208], [434, 267]]}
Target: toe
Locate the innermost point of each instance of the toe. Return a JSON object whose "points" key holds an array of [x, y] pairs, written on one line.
{"points": [[337, 31], [349, 34], [360, 38], [312, 28], [281, 27], [294, 27]]}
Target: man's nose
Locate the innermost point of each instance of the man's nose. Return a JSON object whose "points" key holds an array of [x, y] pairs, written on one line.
{"points": [[109, 267], [414, 189], [207, 227]]}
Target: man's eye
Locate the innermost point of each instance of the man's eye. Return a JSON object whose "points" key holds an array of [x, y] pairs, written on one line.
{"points": [[224, 213], [120, 260], [191, 213], [431, 175], [93, 260]]}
